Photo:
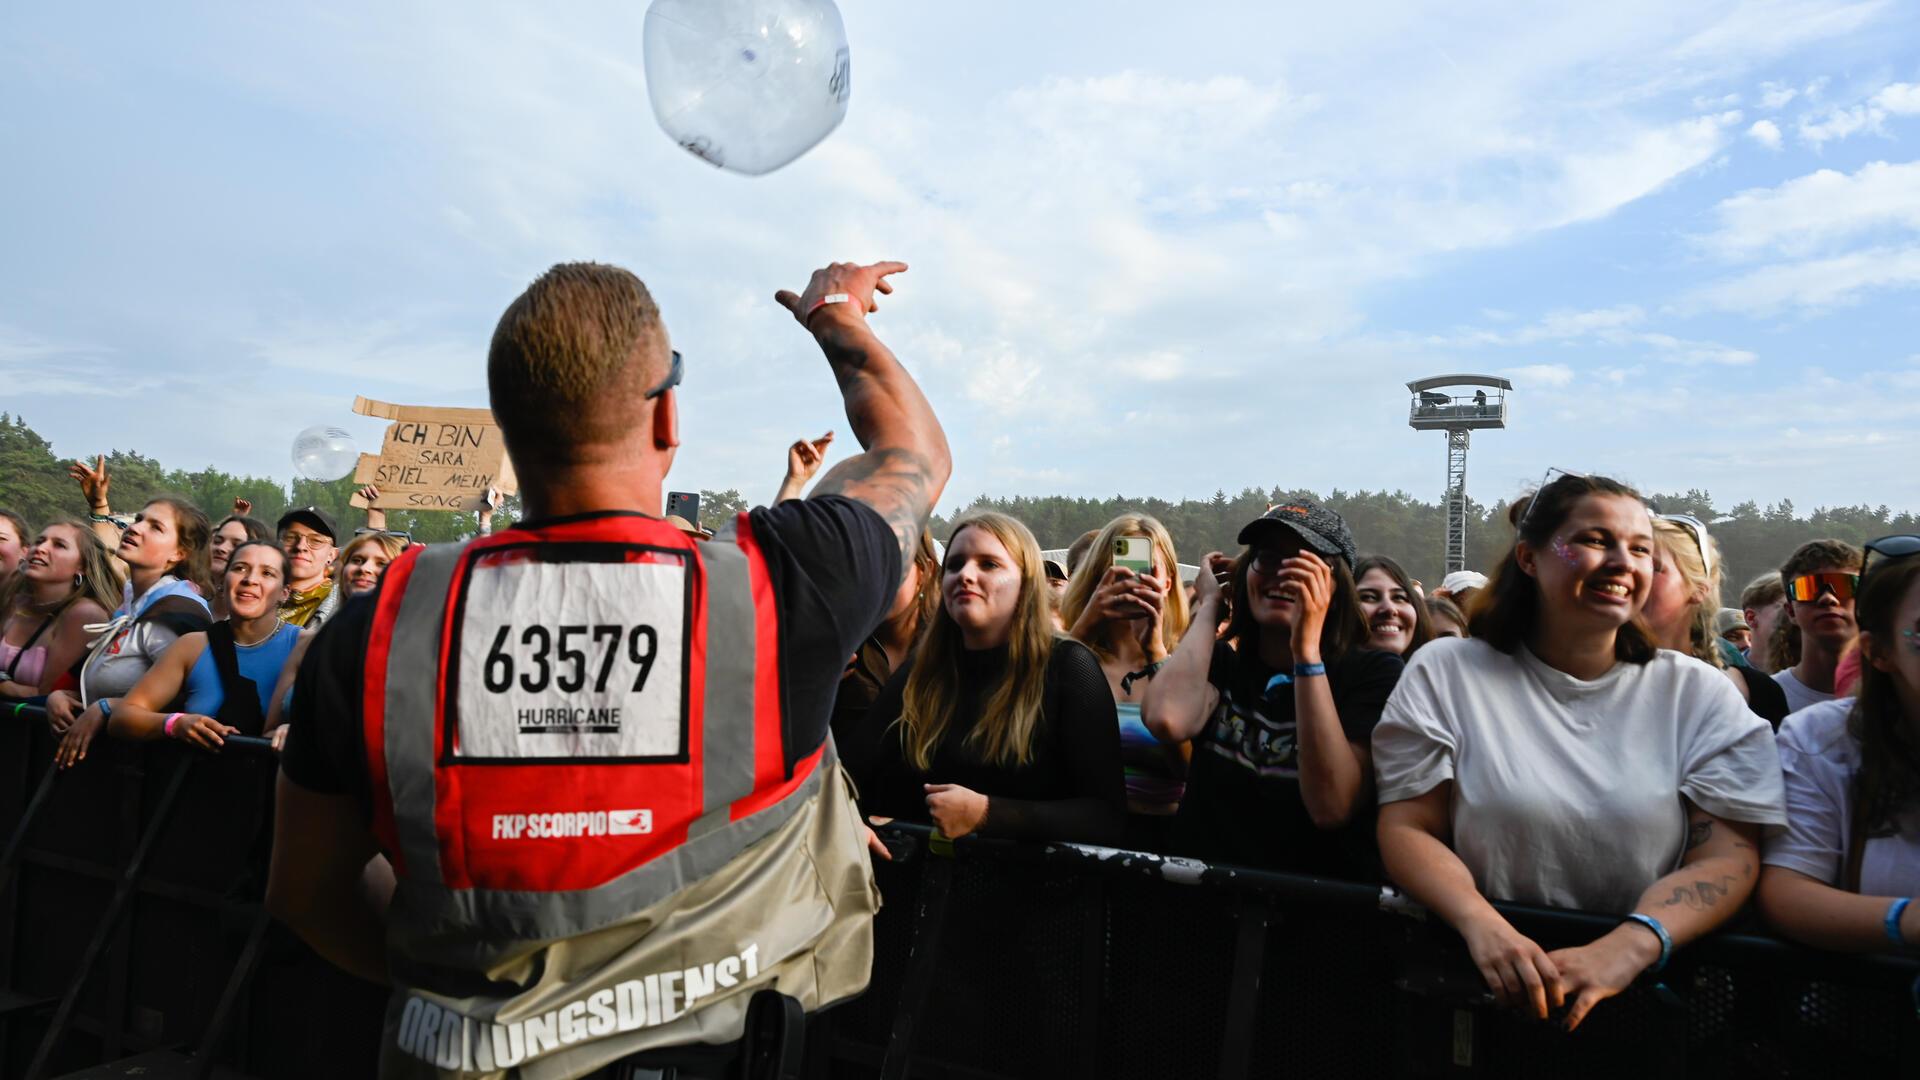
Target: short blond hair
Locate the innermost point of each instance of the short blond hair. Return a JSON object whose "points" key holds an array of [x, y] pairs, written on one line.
{"points": [[570, 360], [1683, 547]]}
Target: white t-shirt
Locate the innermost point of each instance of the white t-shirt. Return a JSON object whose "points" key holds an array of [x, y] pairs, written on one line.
{"points": [[1799, 694], [1819, 759], [1567, 792]]}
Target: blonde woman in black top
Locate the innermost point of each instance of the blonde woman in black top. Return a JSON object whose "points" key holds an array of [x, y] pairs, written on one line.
{"points": [[998, 725]]}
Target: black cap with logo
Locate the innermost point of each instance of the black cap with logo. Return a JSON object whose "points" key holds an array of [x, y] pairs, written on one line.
{"points": [[1317, 527], [313, 518]]}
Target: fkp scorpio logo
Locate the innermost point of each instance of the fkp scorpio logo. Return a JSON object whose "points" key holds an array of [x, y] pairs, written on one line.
{"points": [[571, 825]]}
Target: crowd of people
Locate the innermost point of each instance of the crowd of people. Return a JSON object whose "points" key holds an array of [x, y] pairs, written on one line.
{"points": [[1585, 726]]}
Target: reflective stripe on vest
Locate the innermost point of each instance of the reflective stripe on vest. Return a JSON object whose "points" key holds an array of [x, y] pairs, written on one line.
{"points": [[449, 878]]}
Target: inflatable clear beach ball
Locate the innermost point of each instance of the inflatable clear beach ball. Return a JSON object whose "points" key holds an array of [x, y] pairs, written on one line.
{"points": [[324, 453], [747, 85]]}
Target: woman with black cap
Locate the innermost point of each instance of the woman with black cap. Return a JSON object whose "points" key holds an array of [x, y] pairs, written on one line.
{"points": [[1282, 710]]}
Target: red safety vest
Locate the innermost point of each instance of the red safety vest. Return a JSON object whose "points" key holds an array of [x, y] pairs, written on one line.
{"points": [[574, 738]]}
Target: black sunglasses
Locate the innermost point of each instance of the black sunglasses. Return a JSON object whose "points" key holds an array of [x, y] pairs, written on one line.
{"points": [[672, 380], [1889, 548]]}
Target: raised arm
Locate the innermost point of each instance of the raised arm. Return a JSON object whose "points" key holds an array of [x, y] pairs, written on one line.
{"points": [[1180, 699], [804, 458], [906, 462], [95, 484]]}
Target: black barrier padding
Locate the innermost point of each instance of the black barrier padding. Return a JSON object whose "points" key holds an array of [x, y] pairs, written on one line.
{"points": [[1169, 954], [95, 808], [219, 840], [1321, 994], [179, 960], [1015, 963]]}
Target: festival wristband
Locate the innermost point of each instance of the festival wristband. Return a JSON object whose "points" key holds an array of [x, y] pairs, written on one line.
{"points": [[1308, 671], [106, 708], [1892, 921], [830, 298], [171, 720], [1666, 942]]}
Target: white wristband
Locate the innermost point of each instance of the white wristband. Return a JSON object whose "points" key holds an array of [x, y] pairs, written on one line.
{"points": [[830, 298]]}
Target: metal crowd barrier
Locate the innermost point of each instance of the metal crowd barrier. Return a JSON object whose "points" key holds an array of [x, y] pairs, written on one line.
{"points": [[132, 942], [999, 959]]}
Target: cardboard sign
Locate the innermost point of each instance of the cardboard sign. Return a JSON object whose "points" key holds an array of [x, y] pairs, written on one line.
{"points": [[434, 459]]}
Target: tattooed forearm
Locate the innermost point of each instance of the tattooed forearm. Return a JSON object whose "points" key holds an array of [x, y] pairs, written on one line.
{"points": [[898, 484], [1700, 895]]}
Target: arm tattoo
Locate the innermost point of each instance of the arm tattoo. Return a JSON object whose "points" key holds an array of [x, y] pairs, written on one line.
{"points": [[1699, 833], [1700, 895], [895, 482]]}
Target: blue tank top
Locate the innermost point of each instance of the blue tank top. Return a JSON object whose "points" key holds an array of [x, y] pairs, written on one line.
{"points": [[261, 663]]}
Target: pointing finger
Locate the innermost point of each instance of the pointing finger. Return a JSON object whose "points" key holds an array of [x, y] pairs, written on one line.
{"points": [[885, 268], [788, 299]]}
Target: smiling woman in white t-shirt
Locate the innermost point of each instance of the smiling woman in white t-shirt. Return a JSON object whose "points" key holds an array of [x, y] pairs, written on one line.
{"points": [[1845, 872], [1558, 757]]}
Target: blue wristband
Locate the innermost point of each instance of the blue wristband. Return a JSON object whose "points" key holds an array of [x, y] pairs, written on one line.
{"points": [[1307, 671], [1666, 942], [106, 708], [1892, 921]]}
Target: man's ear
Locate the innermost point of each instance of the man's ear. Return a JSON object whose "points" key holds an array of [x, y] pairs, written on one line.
{"points": [[666, 420]]}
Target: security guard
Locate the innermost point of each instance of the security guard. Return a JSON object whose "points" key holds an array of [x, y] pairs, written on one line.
{"points": [[590, 751]]}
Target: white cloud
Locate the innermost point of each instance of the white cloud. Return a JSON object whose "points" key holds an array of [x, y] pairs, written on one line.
{"points": [[1819, 283], [1549, 374], [1818, 211], [1766, 133], [1164, 219], [1896, 99], [1615, 326]]}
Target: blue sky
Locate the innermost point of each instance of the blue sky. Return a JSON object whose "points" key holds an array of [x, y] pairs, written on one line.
{"points": [[1151, 254]]}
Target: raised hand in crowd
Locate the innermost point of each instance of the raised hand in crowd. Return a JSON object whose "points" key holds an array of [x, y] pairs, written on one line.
{"points": [[242, 507], [804, 458], [905, 462], [484, 516], [1123, 596], [376, 517], [95, 486], [1309, 579]]}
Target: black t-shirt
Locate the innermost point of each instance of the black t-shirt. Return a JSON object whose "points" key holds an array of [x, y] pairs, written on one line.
{"points": [[1072, 789], [1242, 804], [833, 563], [1765, 698]]}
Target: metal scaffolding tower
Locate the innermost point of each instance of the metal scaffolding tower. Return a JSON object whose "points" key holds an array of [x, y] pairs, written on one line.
{"points": [[1457, 414]]}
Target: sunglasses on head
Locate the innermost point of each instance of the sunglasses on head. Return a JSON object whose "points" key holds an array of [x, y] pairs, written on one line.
{"points": [[1889, 548], [1805, 588], [672, 379], [1533, 501], [1698, 530]]}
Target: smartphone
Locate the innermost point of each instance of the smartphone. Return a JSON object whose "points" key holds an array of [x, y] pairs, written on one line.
{"points": [[684, 504], [1135, 553]]}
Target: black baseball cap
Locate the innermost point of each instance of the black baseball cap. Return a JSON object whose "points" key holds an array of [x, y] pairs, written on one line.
{"points": [[313, 518], [1317, 527]]}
